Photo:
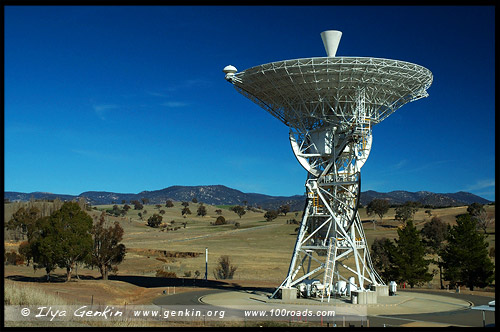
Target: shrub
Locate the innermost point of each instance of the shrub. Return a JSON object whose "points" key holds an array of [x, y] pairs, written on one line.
{"points": [[224, 269], [25, 251], [270, 215], [155, 220], [13, 258], [220, 221], [185, 211], [202, 210], [137, 205]]}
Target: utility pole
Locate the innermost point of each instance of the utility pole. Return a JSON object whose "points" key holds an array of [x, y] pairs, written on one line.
{"points": [[206, 264]]}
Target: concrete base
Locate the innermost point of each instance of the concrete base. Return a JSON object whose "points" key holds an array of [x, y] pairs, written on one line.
{"points": [[288, 293], [405, 303], [381, 290], [363, 297]]}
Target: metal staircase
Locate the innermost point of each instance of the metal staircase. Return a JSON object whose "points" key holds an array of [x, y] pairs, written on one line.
{"points": [[329, 269]]}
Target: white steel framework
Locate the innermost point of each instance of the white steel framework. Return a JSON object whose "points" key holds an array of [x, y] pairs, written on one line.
{"points": [[330, 105]]}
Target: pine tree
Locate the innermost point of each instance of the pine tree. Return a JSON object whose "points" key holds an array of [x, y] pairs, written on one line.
{"points": [[465, 257], [410, 256]]}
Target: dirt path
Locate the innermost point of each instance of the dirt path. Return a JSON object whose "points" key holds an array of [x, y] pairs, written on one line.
{"points": [[220, 233]]}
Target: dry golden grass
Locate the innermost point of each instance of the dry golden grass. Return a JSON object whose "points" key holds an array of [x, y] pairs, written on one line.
{"points": [[261, 250], [28, 295]]}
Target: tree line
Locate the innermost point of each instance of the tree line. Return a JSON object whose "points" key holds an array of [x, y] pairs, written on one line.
{"points": [[462, 252], [156, 219], [407, 211], [66, 238]]}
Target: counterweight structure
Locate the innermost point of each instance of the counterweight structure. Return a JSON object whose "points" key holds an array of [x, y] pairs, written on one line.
{"points": [[330, 105]]}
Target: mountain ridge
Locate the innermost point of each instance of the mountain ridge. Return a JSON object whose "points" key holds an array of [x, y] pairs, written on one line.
{"points": [[222, 195]]}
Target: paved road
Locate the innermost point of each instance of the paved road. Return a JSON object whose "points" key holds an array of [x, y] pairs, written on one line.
{"points": [[191, 301], [187, 298], [463, 317]]}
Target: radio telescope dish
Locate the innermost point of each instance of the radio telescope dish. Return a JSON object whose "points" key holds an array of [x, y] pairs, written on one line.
{"points": [[316, 92], [330, 105]]}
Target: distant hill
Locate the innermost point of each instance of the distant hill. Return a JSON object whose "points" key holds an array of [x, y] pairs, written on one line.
{"points": [[222, 195], [424, 197]]}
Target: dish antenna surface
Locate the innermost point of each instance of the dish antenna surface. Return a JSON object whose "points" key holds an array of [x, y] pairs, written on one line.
{"points": [[330, 105]]}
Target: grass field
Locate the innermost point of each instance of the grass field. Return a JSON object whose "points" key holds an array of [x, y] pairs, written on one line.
{"points": [[261, 251]]}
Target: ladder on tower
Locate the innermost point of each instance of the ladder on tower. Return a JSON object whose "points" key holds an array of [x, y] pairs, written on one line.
{"points": [[330, 265]]}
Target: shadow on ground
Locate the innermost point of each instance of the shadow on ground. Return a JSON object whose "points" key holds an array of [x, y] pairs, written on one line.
{"points": [[54, 278], [149, 282]]}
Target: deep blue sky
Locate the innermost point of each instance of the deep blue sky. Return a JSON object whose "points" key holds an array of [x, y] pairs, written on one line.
{"points": [[127, 99]]}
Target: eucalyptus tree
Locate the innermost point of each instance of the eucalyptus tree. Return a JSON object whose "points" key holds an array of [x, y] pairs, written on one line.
{"points": [[62, 239]]}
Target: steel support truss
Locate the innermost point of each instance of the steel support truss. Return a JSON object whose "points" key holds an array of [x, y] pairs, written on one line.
{"points": [[331, 241]]}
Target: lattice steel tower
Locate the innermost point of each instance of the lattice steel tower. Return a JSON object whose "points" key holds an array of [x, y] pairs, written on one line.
{"points": [[330, 105]]}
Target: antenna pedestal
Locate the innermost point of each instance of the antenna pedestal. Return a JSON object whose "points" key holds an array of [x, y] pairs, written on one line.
{"points": [[331, 243]]}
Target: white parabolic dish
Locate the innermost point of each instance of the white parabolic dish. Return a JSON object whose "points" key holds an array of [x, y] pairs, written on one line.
{"points": [[324, 90]]}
